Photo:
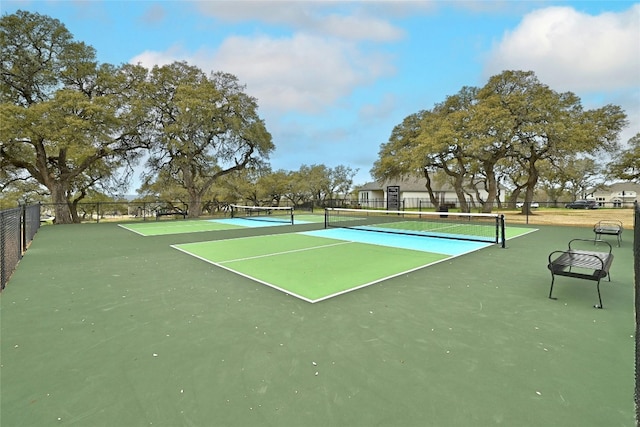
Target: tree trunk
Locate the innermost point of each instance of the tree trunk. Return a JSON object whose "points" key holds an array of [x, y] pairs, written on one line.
{"points": [[532, 181], [195, 204], [434, 201], [458, 185], [60, 204], [492, 189]]}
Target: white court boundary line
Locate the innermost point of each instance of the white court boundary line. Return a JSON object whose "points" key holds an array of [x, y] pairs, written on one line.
{"points": [[294, 294], [184, 224], [284, 252], [181, 225], [255, 279], [132, 230]]}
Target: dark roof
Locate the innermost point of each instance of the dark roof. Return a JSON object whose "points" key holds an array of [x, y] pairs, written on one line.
{"points": [[619, 186]]}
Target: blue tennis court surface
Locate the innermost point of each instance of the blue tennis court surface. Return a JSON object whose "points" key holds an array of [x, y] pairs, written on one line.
{"points": [[159, 228], [417, 243]]}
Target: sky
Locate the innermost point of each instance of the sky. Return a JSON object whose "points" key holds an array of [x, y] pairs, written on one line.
{"points": [[333, 78]]}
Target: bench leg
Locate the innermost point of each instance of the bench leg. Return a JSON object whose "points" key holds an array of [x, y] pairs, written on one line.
{"points": [[553, 278], [599, 305]]}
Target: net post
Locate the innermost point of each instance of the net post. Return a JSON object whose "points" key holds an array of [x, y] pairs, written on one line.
{"points": [[502, 231], [292, 221]]}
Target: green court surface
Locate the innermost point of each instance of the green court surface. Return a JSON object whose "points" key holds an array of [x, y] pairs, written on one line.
{"points": [[159, 228], [319, 266], [309, 267], [103, 327], [176, 227]]}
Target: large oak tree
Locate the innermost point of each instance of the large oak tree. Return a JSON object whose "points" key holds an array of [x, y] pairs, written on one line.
{"points": [[65, 121], [203, 127]]}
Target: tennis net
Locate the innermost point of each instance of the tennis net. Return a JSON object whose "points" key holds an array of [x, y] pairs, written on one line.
{"points": [[450, 225], [263, 213]]}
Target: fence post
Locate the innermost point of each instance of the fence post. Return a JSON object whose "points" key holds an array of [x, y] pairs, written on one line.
{"points": [[3, 267], [23, 228]]}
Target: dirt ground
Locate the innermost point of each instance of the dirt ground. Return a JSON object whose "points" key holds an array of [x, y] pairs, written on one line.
{"points": [[577, 217]]}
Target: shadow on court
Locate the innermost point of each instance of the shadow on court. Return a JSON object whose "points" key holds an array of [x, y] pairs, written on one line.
{"points": [[103, 327]]}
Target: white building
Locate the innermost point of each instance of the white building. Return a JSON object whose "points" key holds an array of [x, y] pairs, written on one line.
{"points": [[620, 194], [413, 192]]}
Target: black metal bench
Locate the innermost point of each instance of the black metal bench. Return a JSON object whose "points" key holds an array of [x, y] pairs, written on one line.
{"points": [[609, 228], [581, 264], [171, 211]]}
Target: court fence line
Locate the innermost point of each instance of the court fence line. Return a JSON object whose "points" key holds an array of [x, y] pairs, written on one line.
{"points": [[18, 227], [145, 210]]}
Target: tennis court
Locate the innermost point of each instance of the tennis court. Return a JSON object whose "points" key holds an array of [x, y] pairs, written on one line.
{"points": [[318, 265], [102, 327], [161, 228]]}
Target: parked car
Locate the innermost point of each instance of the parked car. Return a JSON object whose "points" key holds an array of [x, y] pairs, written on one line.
{"points": [[582, 204], [533, 205]]}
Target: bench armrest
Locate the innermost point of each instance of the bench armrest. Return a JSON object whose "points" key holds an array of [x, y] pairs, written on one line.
{"points": [[590, 241], [609, 223]]}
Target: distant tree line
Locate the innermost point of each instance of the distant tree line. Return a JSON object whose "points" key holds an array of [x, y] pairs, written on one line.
{"points": [[516, 133]]}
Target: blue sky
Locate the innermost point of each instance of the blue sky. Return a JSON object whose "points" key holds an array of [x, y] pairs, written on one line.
{"points": [[333, 78]]}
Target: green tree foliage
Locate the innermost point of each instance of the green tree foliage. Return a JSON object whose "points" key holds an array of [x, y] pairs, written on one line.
{"points": [[545, 125], [318, 185], [396, 158], [511, 126], [340, 181], [245, 187], [64, 120], [19, 189], [203, 128], [572, 175], [274, 185], [627, 166]]}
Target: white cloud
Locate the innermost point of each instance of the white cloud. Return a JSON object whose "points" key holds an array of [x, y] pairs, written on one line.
{"points": [[371, 113], [349, 21], [569, 50], [150, 58], [154, 15], [304, 73], [360, 27]]}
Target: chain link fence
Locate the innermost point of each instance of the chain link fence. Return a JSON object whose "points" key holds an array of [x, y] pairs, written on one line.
{"points": [[18, 226]]}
